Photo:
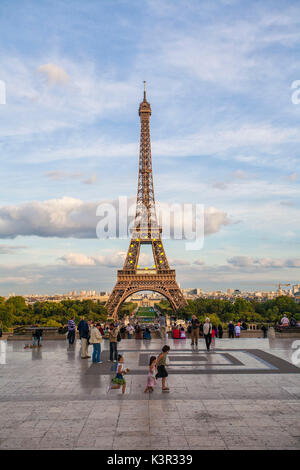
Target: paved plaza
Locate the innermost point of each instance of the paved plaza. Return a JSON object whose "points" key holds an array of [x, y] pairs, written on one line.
{"points": [[245, 394]]}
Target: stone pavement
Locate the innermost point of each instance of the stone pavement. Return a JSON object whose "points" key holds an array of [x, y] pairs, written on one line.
{"points": [[245, 394]]}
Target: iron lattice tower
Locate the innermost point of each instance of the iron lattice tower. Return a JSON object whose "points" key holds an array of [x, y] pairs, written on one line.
{"points": [[160, 278]]}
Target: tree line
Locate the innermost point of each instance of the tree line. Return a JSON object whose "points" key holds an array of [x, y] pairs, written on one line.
{"points": [[223, 311], [15, 312]]}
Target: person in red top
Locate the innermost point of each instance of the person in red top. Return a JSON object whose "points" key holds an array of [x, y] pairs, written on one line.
{"points": [[176, 332], [213, 337]]}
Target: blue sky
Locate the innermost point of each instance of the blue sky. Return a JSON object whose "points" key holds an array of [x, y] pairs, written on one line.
{"points": [[225, 134]]}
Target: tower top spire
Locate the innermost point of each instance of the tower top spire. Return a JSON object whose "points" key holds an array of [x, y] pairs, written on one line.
{"points": [[145, 108]]}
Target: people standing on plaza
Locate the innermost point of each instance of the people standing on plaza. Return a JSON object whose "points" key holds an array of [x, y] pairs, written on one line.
{"points": [[162, 326], [90, 323], [264, 330], [138, 331], [213, 338], [113, 343], [130, 330], [79, 326], [147, 334], [237, 330], [101, 330], [71, 331], [161, 367], [119, 380], [231, 330], [182, 333], [34, 338], [220, 331], [285, 321], [176, 332], [95, 340], [122, 331], [84, 333], [37, 337], [207, 332], [151, 380], [195, 324]]}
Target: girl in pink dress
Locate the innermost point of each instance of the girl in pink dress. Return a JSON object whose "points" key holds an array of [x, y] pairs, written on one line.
{"points": [[151, 380]]}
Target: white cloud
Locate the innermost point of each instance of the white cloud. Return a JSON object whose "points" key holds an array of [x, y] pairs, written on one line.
{"points": [[178, 262], [111, 260], [53, 73], [91, 180], [10, 250], [37, 108], [293, 176], [220, 185], [199, 262], [78, 259], [70, 217], [62, 175], [248, 262], [59, 175], [240, 174]]}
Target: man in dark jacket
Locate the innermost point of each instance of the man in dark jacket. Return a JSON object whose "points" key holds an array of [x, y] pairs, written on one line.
{"points": [[84, 333], [231, 330], [195, 330]]}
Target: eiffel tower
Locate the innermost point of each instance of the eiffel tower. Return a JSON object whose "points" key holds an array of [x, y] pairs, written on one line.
{"points": [[159, 278]]}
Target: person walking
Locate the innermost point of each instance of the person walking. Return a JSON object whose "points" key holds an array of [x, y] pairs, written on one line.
{"points": [[119, 380], [220, 331], [161, 368], [113, 343], [0, 330], [231, 330], [95, 340], [84, 333], [195, 324], [162, 326], [207, 332], [71, 331]]}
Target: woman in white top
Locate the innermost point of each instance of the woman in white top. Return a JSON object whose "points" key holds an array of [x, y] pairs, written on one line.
{"points": [[129, 329]]}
